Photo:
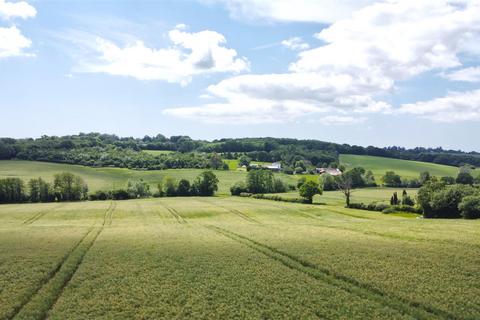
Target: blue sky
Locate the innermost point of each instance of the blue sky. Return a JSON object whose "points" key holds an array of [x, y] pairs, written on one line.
{"points": [[359, 72]]}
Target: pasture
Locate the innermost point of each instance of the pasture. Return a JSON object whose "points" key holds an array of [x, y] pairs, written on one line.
{"points": [[405, 168], [111, 178], [222, 257]]}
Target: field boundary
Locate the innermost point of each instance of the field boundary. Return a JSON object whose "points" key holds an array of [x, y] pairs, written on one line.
{"points": [[404, 306]]}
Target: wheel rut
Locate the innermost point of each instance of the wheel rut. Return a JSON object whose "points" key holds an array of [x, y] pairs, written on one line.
{"points": [[343, 282]]}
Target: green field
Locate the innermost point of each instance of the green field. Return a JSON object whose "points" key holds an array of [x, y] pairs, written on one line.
{"points": [[365, 195], [225, 257], [108, 178], [405, 168]]}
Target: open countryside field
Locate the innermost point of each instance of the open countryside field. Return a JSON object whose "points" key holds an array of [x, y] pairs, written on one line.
{"points": [[364, 195], [221, 258], [108, 178], [405, 168]]}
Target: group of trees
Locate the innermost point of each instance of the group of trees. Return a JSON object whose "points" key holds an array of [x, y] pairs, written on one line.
{"points": [[260, 181], [205, 184], [439, 200], [391, 179], [65, 187]]}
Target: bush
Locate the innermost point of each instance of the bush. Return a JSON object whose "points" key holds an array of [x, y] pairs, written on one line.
{"points": [[470, 207], [183, 188], [279, 186], [464, 178], [402, 208], [238, 188], [445, 203], [100, 195], [120, 194], [381, 206]]}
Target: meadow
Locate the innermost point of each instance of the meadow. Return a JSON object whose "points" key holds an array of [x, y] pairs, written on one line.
{"points": [[111, 178], [229, 257], [404, 168]]}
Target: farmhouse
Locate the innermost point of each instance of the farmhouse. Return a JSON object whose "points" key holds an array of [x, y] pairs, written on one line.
{"points": [[330, 171], [276, 166]]}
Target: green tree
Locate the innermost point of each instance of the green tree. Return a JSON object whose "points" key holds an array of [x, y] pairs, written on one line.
{"points": [[448, 180], [464, 178], [216, 161], [138, 189], [170, 187], [470, 207], [244, 161], [309, 189], [260, 181], [69, 187], [205, 184], [40, 190], [183, 188], [238, 188], [391, 179], [12, 190], [345, 185], [424, 177]]}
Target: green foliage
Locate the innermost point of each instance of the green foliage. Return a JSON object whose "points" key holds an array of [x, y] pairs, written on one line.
{"points": [[448, 180], [40, 190], [12, 190], [205, 184], [309, 189], [238, 188], [183, 188], [69, 187], [391, 179], [470, 207], [170, 187], [440, 201], [464, 178], [244, 160], [260, 181], [138, 189]]}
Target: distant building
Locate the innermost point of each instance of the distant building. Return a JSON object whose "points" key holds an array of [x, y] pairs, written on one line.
{"points": [[330, 171], [276, 166]]}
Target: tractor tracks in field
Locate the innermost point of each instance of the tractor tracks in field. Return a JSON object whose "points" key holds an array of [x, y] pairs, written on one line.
{"points": [[40, 214], [174, 214], [43, 298], [343, 282], [236, 212], [108, 216]]}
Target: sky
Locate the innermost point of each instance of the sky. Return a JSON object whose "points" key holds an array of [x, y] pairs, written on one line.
{"points": [[380, 73]]}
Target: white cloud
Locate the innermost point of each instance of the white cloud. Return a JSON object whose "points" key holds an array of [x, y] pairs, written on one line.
{"points": [[13, 43], [19, 9], [295, 43], [361, 59], [471, 74], [456, 106], [190, 54], [321, 11]]}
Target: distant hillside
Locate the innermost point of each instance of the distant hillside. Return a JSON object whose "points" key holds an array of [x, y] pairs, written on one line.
{"points": [[102, 150], [405, 168], [108, 178]]}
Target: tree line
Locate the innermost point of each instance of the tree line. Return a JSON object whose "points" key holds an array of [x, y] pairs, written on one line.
{"points": [[69, 187], [60, 149]]}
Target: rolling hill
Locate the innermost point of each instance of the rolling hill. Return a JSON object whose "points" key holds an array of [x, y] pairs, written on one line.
{"points": [[108, 178], [405, 168]]}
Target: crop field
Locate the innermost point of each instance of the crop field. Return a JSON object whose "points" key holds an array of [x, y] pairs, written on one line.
{"points": [[229, 257], [108, 178], [405, 168], [364, 195]]}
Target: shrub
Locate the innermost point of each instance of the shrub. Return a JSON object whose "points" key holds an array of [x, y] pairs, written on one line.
{"points": [[100, 195], [381, 206], [183, 188], [238, 188], [470, 207], [308, 190], [279, 186], [120, 194], [445, 203], [464, 178]]}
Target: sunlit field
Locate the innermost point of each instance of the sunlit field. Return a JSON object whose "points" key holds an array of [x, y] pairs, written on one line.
{"points": [[233, 257]]}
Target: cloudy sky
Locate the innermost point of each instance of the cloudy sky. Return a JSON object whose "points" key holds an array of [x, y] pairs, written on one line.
{"points": [[363, 72]]}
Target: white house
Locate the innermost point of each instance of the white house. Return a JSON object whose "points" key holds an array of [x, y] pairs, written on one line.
{"points": [[276, 166], [330, 171]]}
